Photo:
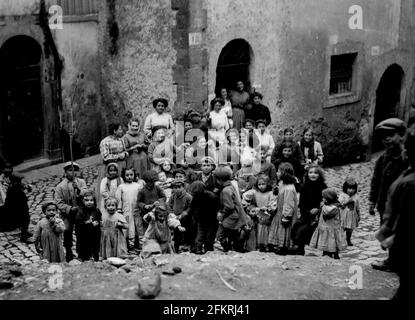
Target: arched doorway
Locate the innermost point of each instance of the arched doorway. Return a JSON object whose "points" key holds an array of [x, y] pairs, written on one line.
{"points": [[21, 111], [388, 97], [233, 64]]}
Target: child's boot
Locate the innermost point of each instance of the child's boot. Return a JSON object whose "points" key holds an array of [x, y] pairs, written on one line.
{"points": [[336, 255]]}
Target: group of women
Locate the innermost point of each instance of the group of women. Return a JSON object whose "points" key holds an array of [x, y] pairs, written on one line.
{"points": [[235, 128]]}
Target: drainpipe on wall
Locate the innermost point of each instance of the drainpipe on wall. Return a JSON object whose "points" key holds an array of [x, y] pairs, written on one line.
{"points": [[197, 56]]}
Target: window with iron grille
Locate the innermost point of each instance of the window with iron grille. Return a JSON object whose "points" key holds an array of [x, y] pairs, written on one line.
{"points": [[341, 73], [78, 7]]}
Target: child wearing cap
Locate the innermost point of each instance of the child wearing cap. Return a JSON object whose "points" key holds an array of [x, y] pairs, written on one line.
{"points": [[68, 197], [179, 204], [388, 168], [48, 234], [157, 238], [203, 209], [329, 236], [206, 176], [231, 216], [350, 208]]}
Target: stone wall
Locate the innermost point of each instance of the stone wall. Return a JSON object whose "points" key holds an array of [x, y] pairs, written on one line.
{"points": [[137, 55], [292, 42], [77, 43]]}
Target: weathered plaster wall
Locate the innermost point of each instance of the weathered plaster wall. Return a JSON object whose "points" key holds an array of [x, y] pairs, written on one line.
{"points": [[292, 42], [138, 60], [77, 43]]}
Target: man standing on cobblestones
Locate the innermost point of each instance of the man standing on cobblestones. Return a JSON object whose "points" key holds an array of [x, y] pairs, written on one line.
{"points": [[388, 168], [67, 196], [397, 229]]}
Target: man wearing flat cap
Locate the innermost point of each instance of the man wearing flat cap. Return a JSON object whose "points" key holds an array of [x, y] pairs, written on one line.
{"points": [[388, 168], [68, 195]]}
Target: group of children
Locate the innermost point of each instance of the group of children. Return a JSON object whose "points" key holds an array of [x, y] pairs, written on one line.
{"points": [[135, 215]]}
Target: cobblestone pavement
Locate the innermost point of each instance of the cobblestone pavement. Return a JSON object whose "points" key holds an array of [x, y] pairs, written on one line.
{"points": [[365, 250]]}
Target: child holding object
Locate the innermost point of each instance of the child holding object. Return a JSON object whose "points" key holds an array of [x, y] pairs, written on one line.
{"points": [[49, 234], [261, 203], [329, 236], [157, 238]]}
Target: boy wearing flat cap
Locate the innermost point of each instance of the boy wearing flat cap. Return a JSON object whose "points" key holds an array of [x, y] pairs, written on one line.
{"points": [[231, 216], [206, 176], [68, 195], [179, 204], [388, 168]]}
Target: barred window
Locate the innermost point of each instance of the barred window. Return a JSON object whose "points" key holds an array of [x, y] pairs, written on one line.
{"points": [[341, 73], [78, 7]]}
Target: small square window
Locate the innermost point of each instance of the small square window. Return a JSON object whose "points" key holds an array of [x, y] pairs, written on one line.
{"points": [[341, 73]]}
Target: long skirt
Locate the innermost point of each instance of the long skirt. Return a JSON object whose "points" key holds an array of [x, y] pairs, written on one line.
{"points": [[238, 116], [139, 162], [328, 239]]}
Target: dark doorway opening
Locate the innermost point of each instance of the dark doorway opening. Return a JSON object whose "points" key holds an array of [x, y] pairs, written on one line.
{"points": [[233, 65], [388, 97], [21, 111]]}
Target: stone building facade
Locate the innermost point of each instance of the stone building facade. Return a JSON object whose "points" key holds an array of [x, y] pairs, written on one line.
{"points": [[340, 66]]}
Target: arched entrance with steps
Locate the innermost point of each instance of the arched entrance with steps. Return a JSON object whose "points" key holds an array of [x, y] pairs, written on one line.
{"points": [[388, 98], [234, 64]]}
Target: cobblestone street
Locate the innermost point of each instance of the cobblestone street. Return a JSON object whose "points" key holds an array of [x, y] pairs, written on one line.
{"points": [[365, 250]]}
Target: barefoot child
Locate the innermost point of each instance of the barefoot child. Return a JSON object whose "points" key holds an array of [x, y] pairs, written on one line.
{"points": [[49, 234], [113, 242], [88, 222], [127, 200], [286, 215], [157, 238], [350, 209], [329, 236]]}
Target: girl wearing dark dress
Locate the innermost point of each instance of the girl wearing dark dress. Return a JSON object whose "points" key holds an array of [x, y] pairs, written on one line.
{"points": [[88, 222], [309, 205]]}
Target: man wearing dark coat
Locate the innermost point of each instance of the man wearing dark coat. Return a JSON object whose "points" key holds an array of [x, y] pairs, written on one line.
{"points": [[388, 168], [398, 222]]}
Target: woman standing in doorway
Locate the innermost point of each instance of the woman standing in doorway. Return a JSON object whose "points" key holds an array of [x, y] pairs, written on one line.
{"points": [[239, 99], [227, 107]]}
